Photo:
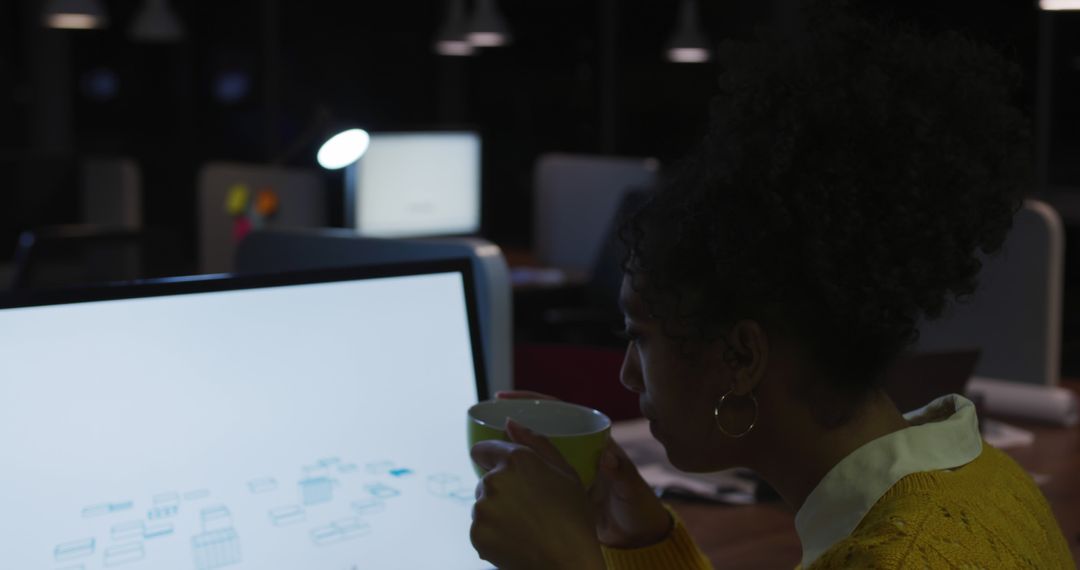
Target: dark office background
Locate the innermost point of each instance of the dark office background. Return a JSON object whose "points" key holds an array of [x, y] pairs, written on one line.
{"points": [[252, 76]]}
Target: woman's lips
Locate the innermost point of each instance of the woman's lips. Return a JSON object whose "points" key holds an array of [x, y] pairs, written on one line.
{"points": [[653, 429], [648, 415]]}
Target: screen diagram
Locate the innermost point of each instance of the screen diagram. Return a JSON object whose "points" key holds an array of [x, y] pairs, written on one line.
{"points": [[327, 503]]}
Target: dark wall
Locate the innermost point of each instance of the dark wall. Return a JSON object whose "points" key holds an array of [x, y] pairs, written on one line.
{"points": [[581, 76]]}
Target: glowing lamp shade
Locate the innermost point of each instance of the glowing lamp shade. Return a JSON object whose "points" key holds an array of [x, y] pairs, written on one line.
{"points": [[1059, 4], [488, 39], [688, 55], [451, 40], [343, 149], [156, 22], [688, 44], [74, 14], [488, 28], [454, 48]]}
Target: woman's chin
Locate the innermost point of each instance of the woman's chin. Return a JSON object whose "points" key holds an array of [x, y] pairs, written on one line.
{"points": [[688, 462], [693, 461], [684, 460]]}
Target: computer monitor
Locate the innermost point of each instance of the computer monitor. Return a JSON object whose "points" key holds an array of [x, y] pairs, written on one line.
{"points": [[306, 420], [415, 184]]}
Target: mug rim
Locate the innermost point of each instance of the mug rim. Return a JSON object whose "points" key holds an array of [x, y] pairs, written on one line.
{"points": [[605, 420]]}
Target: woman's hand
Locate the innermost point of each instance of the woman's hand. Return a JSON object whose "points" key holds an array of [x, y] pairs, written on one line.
{"points": [[531, 510], [626, 510]]}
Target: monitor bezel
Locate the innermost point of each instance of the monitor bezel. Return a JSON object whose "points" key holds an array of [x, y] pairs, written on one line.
{"points": [[352, 179], [188, 285]]}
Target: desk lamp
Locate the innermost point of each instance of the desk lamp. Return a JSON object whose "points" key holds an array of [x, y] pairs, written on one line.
{"points": [[343, 149]]}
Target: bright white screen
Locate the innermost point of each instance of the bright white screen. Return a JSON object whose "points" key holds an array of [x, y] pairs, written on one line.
{"points": [[418, 184], [314, 426]]}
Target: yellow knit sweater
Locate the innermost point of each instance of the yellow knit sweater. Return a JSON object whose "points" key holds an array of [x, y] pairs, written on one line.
{"points": [[986, 514]]}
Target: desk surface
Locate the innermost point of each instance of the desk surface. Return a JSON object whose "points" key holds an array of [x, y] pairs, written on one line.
{"points": [[763, 536]]}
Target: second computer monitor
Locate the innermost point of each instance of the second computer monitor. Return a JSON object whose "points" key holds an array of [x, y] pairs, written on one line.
{"points": [[414, 184]]}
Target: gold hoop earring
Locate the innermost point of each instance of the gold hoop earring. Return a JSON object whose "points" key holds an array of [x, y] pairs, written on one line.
{"points": [[720, 426]]}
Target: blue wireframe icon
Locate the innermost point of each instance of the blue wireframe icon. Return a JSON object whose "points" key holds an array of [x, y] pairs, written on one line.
{"points": [[340, 530], [348, 468], [106, 508], [287, 515], [368, 506], [316, 490], [382, 491], [73, 549], [196, 494], [128, 530], [157, 530], [443, 484], [215, 518], [379, 467], [262, 485], [124, 554], [218, 545], [215, 549]]}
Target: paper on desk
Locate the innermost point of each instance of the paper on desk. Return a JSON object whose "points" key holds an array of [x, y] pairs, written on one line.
{"points": [[1051, 404], [1004, 436], [538, 276], [730, 486]]}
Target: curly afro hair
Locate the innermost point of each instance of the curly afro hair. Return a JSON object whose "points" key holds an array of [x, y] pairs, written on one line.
{"points": [[848, 179]]}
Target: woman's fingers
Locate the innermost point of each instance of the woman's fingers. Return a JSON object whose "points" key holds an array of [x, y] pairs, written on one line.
{"points": [[543, 447], [619, 476], [489, 453]]}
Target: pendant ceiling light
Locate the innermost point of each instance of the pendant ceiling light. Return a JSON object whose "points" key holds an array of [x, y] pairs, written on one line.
{"points": [[156, 22], [1059, 4], [488, 28], [74, 14], [689, 44], [451, 39]]}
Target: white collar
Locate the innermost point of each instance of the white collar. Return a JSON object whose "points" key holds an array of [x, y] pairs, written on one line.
{"points": [[944, 434]]}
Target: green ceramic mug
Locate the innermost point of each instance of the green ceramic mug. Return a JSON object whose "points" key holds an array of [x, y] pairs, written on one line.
{"points": [[579, 433]]}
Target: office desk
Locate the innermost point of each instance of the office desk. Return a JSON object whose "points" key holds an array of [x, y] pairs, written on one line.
{"points": [[529, 275], [763, 536]]}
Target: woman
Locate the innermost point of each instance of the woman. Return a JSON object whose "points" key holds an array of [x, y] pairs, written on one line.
{"points": [[848, 180]]}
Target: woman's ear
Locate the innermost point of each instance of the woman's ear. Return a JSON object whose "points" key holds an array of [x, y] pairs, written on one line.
{"points": [[747, 355]]}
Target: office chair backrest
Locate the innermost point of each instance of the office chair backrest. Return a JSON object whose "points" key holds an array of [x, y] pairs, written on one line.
{"points": [[1014, 316], [602, 289], [298, 249], [575, 200]]}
